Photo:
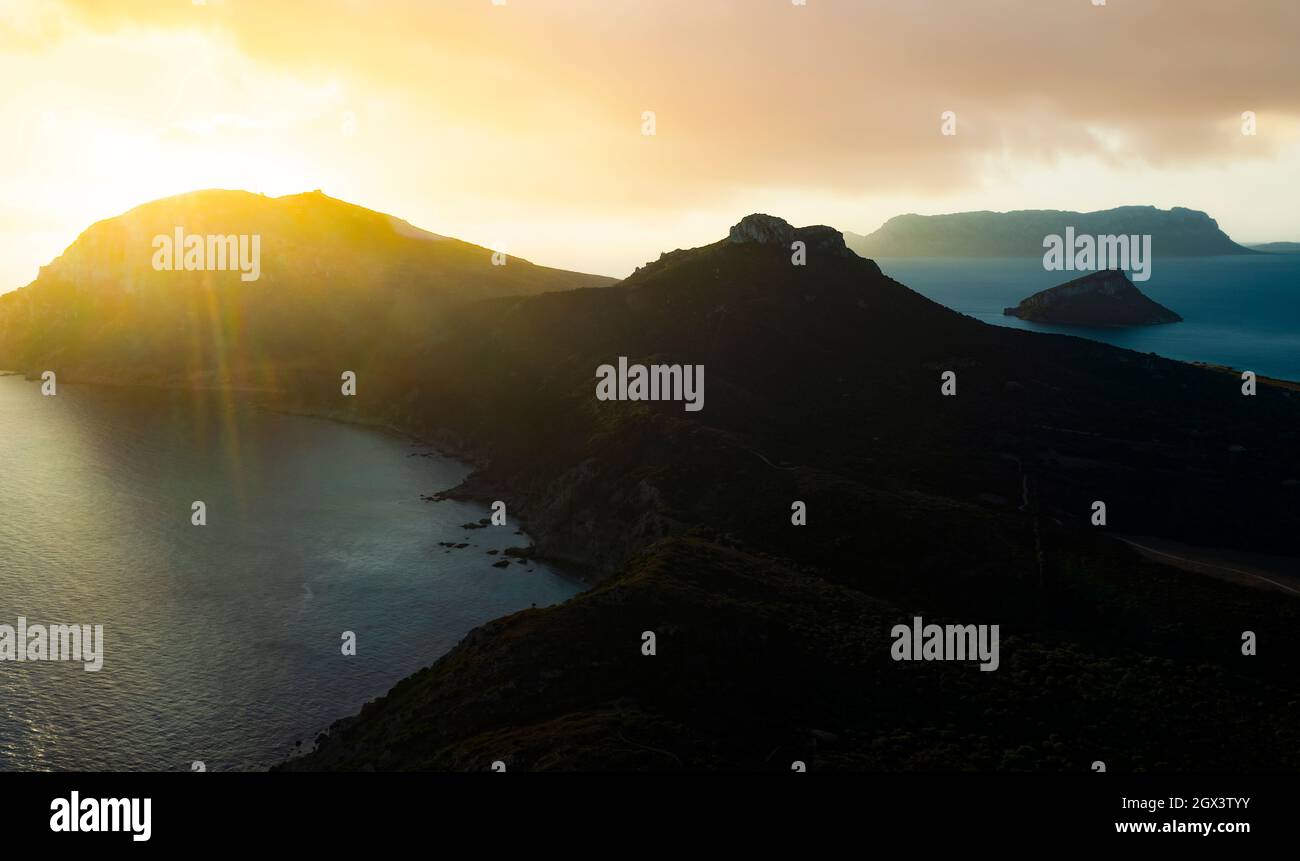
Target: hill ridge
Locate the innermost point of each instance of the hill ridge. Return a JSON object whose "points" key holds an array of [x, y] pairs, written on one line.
{"points": [[1177, 232]]}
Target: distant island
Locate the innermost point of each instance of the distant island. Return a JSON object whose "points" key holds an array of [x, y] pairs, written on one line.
{"points": [[1176, 232], [1277, 247], [1105, 298]]}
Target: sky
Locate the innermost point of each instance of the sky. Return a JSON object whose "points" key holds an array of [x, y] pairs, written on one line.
{"points": [[522, 124]]}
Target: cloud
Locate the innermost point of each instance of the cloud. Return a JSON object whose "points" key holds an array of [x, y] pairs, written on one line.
{"points": [[470, 115], [823, 95]]}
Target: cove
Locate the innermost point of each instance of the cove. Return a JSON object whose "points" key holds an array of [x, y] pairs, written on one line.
{"points": [[222, 642]]}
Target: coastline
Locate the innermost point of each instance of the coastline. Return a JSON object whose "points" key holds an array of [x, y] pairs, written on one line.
{"points": [[581, 567], [1289, 385], [478, 486], [583, 570], [520, 543], [586, 562], [585, 576]]}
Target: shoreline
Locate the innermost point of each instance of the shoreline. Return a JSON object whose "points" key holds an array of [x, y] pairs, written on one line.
{"points": [[1289, 385], [478, 487], [583, 577], [584, 570], [520, 537]]}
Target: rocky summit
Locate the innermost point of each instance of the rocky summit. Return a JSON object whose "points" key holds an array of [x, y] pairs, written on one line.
{"points": [[770, 230], [763, 229]]}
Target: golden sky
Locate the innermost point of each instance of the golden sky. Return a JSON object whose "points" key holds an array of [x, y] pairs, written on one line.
{"points": [[520, 125]]}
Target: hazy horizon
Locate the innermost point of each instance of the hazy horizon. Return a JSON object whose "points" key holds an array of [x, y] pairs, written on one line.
{"points": [[650, 253], [522, 125]]}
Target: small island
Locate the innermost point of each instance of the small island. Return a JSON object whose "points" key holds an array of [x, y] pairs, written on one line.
{"points": [[1104, 298]]}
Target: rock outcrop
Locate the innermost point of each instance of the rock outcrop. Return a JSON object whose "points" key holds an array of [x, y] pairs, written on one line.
{"points": [[770, 230], [763, 229], [1105, 298]]}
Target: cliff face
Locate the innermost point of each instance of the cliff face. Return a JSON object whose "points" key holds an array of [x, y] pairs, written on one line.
{"points": [[770, 230], [1105, 298], [1176, 232]]}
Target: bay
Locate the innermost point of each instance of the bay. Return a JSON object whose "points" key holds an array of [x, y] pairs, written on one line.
{"points": [[223, 642]]}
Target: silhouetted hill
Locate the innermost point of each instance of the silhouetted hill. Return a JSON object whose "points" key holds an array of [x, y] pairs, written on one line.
{"points": [[1176, 232], [832, 366], [823, 385], [335, 280], [1103, 298]]}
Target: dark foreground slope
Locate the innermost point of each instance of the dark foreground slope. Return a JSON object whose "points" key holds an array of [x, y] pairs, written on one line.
{"points": [[823, 385], [760, 664]]}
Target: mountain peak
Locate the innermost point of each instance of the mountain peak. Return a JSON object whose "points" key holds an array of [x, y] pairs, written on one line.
{"points": [[769, 230], [763, 229]]}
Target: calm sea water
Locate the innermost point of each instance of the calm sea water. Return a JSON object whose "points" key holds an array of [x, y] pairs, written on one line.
{"points": [[1241, 311], [222, 643]]}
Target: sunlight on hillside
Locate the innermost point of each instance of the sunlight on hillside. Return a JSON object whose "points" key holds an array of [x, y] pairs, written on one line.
{"points": [[522, 124]]}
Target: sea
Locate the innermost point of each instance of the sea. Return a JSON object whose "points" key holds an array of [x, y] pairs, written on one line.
{"points": [[1241, 311], [225, 646]]}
